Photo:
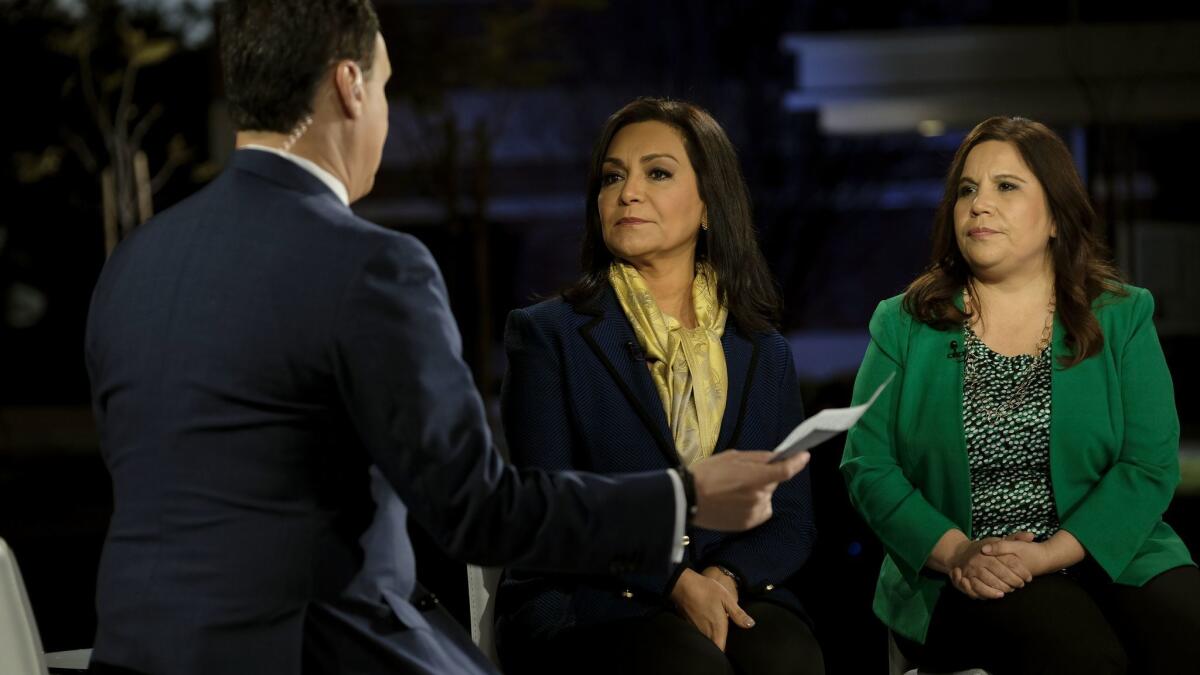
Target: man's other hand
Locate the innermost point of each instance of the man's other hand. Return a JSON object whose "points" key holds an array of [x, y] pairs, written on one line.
{"points": [[734, 488]]}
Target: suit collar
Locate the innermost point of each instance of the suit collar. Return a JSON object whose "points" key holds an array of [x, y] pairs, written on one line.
{"points": [[611, 337], [331, 181], [282, 172]]}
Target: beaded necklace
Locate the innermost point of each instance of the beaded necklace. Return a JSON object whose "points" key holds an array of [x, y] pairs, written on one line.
{"points": [[974, 387]]}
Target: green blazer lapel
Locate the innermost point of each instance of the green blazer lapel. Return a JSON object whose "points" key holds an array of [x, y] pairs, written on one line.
{"points": [[934, 419], [1081, 423], [1060, 379]]}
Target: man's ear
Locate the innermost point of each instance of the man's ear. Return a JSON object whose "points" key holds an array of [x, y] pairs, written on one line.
{"points": [[348, 82]]}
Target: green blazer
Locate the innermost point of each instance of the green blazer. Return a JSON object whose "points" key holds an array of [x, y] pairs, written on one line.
{"points": [[1114, 452]]}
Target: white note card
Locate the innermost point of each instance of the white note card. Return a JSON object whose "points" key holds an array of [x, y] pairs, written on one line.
{"points": [[824, 426]]}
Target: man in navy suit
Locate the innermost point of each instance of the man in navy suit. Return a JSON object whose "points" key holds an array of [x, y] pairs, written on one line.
{"points": [[278, 386]]}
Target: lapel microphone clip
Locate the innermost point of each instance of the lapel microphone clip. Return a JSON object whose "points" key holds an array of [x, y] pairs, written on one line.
{"points": [[635, 351], [955, 353]]}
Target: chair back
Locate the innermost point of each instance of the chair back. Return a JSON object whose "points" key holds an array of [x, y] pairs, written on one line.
{"points": [[20, 643], [481, 595]]}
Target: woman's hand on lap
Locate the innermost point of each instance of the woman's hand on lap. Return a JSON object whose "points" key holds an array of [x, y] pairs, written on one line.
{"points": [[708, 604]]}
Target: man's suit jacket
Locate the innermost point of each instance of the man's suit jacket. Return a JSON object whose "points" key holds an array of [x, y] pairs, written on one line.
{"points": [[578, 395], [253, 351], [1114, 451]]}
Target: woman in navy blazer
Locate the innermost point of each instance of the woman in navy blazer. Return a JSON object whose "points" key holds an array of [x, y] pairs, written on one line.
{"points": [[579, 393]]}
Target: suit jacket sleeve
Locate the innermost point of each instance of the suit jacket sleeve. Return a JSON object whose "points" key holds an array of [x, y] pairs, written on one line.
{"points": [[905, 522], [1115, 518], [413, 402], [777, 549]]}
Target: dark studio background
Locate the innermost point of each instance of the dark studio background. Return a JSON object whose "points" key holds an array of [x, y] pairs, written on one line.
{"points": [[845, 116]]}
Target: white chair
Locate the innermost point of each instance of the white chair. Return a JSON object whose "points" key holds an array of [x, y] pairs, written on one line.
{"points": [[898, 665], [481, 595], [20, 643]]}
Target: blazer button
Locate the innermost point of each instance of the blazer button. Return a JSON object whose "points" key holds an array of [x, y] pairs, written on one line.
{"points": [[627, 594], [769, 587], [686, 540]]}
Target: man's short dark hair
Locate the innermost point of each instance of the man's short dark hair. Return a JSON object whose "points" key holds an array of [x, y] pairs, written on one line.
{"points": [[274, 53]]}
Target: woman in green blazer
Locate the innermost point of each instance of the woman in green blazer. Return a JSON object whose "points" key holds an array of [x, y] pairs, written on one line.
{"points": [[1017, 468]]}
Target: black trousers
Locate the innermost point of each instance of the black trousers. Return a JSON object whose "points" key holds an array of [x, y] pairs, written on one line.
{"points": [[1070, 622], [664, 643]]}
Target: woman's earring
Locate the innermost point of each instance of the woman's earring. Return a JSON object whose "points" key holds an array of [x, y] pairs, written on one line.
{"points": [[704, 226]]}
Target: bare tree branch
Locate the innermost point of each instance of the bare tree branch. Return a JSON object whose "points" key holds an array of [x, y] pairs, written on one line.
{"points": [[76, 143], [144, 124], [125, 104], [88, 85], [174, 160]]}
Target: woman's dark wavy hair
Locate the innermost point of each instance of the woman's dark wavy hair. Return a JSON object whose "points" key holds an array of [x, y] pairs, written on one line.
{"points": [[730, 244], [274, 52], [1081, 268]]}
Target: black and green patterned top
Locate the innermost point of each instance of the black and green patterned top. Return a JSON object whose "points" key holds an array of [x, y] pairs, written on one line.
{"points": [[1008, 448]]}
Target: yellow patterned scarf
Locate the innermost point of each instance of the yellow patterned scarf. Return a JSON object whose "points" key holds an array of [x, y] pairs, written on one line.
{"points": [[687, 365]]}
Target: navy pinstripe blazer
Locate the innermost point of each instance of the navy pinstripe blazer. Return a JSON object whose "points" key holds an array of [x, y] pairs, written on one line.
{"points": [[578, 395]]}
